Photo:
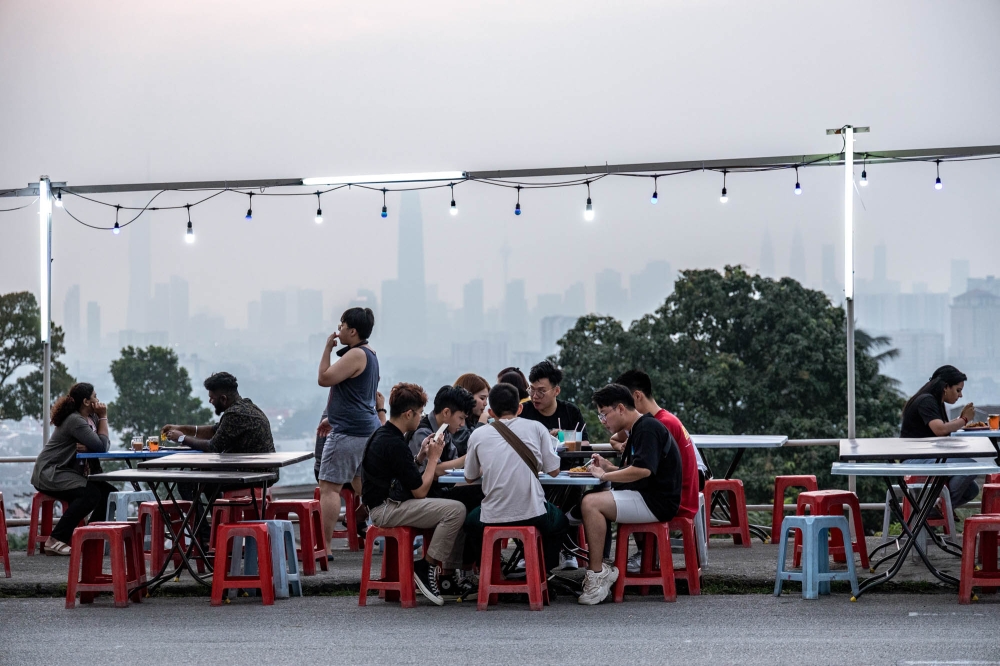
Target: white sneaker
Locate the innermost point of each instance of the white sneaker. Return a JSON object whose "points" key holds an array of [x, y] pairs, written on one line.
{"points": [[567, 561], [634, 563], [597, 586]]}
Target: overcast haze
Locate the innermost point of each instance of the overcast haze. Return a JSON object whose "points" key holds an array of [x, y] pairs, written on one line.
{"points": [[121, 92]]}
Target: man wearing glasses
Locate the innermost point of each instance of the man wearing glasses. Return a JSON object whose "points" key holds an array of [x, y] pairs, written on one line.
{"points": [[545, 406], [645, 489]]}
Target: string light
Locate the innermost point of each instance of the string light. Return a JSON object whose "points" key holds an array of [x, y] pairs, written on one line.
{"points": [[588, 212], [454, 208], [655, 198], [319, 209], [864, 172], [798, 188], [385, 209], [249, 217], [937, 183], [725, 197], [189, 236], [59, 199], [517, 206], [117, 230]]}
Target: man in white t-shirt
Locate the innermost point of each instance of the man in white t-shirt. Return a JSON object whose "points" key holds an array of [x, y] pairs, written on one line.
{"points": [[513, 493]]}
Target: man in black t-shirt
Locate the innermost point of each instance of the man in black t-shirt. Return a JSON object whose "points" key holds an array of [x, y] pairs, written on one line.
{"points": [[645, 489], [395, 491], [545, 406]]}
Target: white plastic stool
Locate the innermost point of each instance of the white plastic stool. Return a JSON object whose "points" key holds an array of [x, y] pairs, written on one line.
{"points": [[677, 545], [915, 489], [119, 504]]}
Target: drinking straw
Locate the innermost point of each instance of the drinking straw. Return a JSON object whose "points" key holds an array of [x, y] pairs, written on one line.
{"points": [[559, 422]]}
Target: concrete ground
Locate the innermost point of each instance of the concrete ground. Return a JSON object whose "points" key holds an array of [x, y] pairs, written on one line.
{"points": [[713, 629]]}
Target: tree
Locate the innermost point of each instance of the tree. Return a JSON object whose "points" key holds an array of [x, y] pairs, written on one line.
{"points": [[22, 349], [153, 390], [734, 353]]}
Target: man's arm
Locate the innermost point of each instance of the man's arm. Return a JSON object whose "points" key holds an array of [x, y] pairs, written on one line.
{"points": [[349, 365], [430, 472], [191, 435], [624, 475]]}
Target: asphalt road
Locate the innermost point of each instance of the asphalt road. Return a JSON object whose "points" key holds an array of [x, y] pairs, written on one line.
{"points": [[748, 629]]}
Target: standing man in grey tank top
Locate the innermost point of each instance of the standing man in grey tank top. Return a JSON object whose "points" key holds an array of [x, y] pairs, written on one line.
{"points": [[354, 410]]}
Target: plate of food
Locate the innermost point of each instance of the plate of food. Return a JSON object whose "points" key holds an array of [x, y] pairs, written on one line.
{"points": [[977, 425], [579, 471]]}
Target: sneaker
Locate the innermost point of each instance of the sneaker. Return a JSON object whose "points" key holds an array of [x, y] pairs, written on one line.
{"points": [[468, 587], [597, 586], [634, 563], [574, 521], [567, 561], [425, 576]]}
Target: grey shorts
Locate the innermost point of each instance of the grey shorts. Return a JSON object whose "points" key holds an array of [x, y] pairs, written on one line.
{"points": [[341, 458]]}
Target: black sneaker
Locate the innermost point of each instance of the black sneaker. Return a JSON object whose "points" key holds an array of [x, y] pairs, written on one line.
{"points": [[425, 576], [469, 588]]}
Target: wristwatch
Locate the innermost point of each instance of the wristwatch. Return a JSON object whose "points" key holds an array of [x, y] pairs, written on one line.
{"points": [[180, 440], [380, 410]]}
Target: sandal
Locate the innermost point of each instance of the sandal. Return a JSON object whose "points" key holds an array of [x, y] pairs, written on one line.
{"points": [[59, 548]]}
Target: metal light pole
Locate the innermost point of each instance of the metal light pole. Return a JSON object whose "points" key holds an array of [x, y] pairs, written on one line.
{"points": [[45, 295]]}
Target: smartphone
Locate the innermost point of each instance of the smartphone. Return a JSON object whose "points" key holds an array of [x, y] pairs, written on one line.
{"points": [[440, 431]]}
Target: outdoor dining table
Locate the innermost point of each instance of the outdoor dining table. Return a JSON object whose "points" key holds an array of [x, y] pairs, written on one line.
{"points": [[741, 443], [894, 459], [992, 435], [129, 456], [163, 483]]}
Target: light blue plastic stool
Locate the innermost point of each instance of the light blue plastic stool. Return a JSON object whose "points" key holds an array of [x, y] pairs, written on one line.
{"points": [[284, 562], [815, 575], [119, 503]]}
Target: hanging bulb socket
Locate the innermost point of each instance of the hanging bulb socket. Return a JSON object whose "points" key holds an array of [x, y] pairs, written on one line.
{"points": [[588, 211], [937, 181], [117, 230], [725, 195], [517, 206], [59, 199], [864, 172], [385, 209], [189, 236], [249, 215], [453, 209], [798, 188], [319, 210], [656, 197]]}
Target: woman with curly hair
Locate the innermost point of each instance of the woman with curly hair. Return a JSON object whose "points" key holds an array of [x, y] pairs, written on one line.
{"points": [[480, 390], [81, 422]]}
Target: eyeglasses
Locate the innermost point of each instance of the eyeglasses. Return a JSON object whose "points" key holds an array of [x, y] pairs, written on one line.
{"points": [[603, 418], [541, 393]]}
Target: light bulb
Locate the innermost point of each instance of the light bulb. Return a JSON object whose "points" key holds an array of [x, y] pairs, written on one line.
{"points": [[588, 213], [654, 199], [725, 197], [249, 216], [864, 178], [319, 216], [454, 208], [189, 236], [798, 188], [517, 208], [385, 212], [117, 230], [59, 199], [937, 183]]}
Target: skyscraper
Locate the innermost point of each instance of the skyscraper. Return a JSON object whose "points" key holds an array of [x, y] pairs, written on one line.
{"points": [[404, 300], [179, 309], [71, 318], [611, 297], [797, 265], [310, 311], [575, 300], [472, 308], [136, 313], [959, 277], [158, 312], [93, 326], [515, 312], [273, 317], [649, 288]]}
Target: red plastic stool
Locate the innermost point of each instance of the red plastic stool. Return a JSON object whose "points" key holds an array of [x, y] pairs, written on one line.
{"points": [[149, 514], [993, 478], [991, 498], [692, 566], [739, 523], [986, 527], [656, 537], [491, 581], [581, 538], [939, 504], [42, 507], [263, 580], [87, 561], [4, 548], [781, 484], [351, 504], [832, 503], [396, 583], [310, 530]]}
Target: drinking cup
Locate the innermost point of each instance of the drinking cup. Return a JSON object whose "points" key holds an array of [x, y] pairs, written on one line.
{"points": [[994, 421], [137, 443], [153, 443]]}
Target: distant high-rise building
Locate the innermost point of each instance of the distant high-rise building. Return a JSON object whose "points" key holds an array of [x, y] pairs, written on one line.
{"points": [[473, 306], [71, 318], [93, 326], [575, 300], [975, 332], [552, 330], [273, 317], [310, 311], [650, 287], [988, 284], [404, 300], [253, 316], [797, 265], [549, 305], [831, 286], [179, 309], [959, 277], [766, 255], [515, 312], [611, 298], [139, 276], [158, 313]]}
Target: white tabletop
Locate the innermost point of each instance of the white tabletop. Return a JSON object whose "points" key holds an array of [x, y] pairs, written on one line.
{"points": [[564, 479], [971, 468], [739, 441], [977, 433]]}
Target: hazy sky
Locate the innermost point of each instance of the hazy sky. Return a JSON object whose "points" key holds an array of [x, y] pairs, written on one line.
{"points": [[117, 92]]}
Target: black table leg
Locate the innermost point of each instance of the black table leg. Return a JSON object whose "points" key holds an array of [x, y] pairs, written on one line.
{"points": [[188, 553], [720, 503]]}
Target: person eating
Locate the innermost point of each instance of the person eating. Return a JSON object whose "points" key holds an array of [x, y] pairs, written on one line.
{"points": [[545, 406], [480, 390]]}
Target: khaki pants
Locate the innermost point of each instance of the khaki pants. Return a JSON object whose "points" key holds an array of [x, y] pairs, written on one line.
{"points": [[445, 516]]}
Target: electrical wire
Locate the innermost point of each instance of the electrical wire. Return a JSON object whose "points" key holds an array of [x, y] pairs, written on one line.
{"points": [[10, 210]]}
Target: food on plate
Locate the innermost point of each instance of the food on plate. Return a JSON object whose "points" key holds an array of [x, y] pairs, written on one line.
{"points": [[977, 424], [579, 470]]}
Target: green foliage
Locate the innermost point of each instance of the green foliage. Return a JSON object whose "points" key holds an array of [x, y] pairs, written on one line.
{"points": [[22, 348], [734, 353], [153, 390]]}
